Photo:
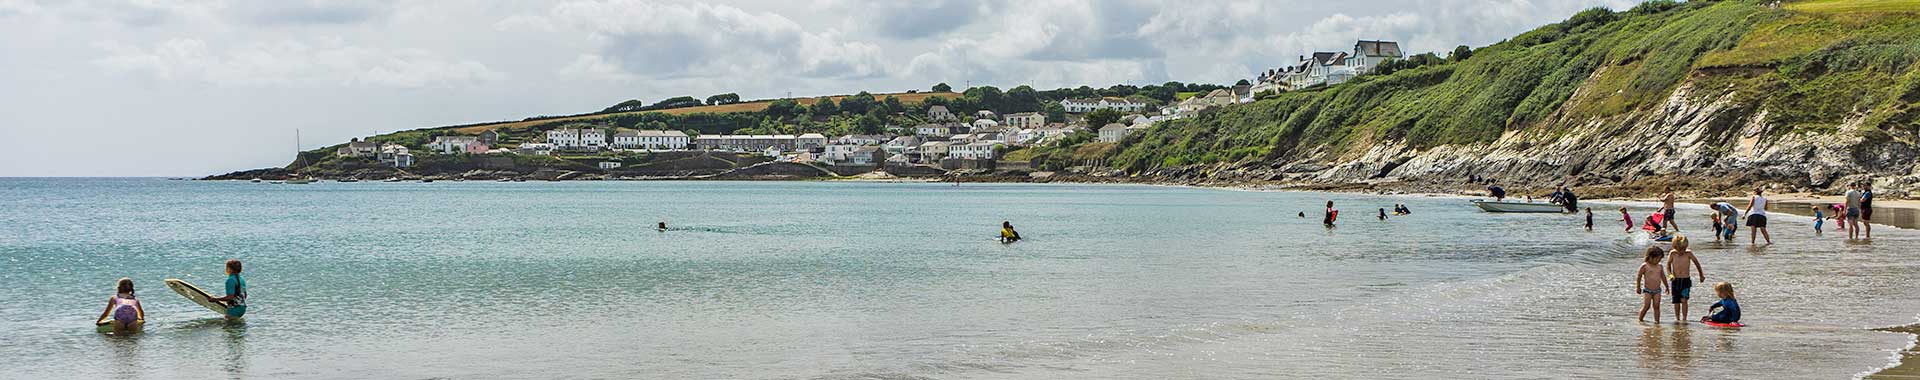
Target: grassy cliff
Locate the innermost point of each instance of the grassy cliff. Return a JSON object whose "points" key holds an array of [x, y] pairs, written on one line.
{"points": [[1808, 66]]}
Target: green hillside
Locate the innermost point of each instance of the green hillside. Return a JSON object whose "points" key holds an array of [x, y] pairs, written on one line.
{"points": [[1811, 65]]}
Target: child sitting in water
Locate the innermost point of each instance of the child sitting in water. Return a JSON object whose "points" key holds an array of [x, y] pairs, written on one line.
{"points": [[124, 308], [1729, 309], [236, 298], [1649, 281]]}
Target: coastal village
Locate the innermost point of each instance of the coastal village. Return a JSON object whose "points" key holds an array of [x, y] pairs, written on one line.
{"points": [[942, 142]]}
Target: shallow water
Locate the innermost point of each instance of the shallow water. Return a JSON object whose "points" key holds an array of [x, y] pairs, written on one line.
{"points": [[898, 280]]}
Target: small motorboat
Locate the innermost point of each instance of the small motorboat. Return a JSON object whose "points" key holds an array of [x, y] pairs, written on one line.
{"points": [[1525, 207]]}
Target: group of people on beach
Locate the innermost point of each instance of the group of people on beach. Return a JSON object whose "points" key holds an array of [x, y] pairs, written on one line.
{"points": [[124, 313], [1675, 276], [1855, 215]]}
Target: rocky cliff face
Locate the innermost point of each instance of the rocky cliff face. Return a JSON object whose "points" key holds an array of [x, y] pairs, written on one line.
{"points": [[1707, 145]]}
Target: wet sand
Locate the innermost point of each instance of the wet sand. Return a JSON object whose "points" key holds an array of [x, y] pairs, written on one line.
{"points": [[1909, 367], [1897, 213]]}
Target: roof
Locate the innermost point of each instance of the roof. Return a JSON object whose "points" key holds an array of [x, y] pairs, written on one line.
{"points": [[936, 143], [1024, 114], [627, 133], [867, 148], [1324, 57], [653, 133], [1377, 49], [813, 136], [937, 109], [1115, 126]]}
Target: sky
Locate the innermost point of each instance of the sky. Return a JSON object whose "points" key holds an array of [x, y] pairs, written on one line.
{"points": [[200, 87]]}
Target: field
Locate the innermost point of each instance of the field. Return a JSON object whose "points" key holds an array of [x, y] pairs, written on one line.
{"points": [[753, 106], [1852, 6]]}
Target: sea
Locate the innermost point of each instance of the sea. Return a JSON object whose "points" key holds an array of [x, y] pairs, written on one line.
{"points": [[863, 280]]}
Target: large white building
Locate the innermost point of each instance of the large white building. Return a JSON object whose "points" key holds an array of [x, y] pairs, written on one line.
{"points": [[1089, 105], [982, 150], [650, 139]]}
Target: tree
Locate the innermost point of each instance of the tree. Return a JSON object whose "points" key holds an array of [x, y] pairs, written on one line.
{"points": [[1243, 82], [783, 108], [727, 98], [867, 125], [627, 106], [942, 87], [858, 103], [893, 104], [675, 102], [1101, 117], [1056, 112], [824, 106], [1022, 99], [987, 97], [1460, 53]]}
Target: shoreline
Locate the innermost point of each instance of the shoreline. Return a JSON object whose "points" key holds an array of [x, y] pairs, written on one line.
{"points": [[1906, 361]]}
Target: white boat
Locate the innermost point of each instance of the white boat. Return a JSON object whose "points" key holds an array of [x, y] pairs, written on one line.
{"points": [[1493, 206]]}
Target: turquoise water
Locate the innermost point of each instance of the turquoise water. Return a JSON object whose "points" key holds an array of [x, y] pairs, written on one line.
{"points": [[891, 280]]}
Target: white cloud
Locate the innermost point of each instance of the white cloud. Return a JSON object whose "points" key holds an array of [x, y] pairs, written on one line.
{"points": [[671, 40], [292, 62]]}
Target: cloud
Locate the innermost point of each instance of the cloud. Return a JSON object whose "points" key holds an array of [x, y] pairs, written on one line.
{"points": [[911, 19], [670, 40], [308, 12], [291, 62]]}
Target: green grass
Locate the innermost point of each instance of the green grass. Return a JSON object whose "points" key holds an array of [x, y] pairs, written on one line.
{"points": [[1854, 6], [1812, 66], [1179, 96]]}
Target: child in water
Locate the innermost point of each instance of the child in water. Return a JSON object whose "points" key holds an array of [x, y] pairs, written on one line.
{"points": [[1383, 213], [124, 308], [1628, 218], [1682, 265], [1729, 308], [236, 298], [1819, 219], [1649, 281], [1589, 219]]}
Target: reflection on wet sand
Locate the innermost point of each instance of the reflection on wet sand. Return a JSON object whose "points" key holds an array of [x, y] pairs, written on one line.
{"points": [[126, 354], [1667, 351]]}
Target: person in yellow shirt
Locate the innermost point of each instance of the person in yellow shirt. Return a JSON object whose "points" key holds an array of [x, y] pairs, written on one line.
{"points": [[1007, 234]]}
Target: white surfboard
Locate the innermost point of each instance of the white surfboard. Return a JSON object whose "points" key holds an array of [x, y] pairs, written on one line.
{"points": [[195, 294], [105, 325]]}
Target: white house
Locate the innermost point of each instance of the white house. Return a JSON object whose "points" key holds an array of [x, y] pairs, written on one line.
{"points": [[984, 114], [985, 124], [457, 144], [650, 139], [542, 149], [1113, 132], [564, 137], [932, 130], [1026, 120], [1330, 68], [933, 151], [900, 144], [357, 148], [836, 153], [861, 140], [866, 155], [940, 113], [593, 138], [972, 151], [1089, 105], [809, 141]]}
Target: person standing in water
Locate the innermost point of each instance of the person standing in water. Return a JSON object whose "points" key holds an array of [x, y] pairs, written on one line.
{"points": [[1852, 217], [1383, 214], [662, 227], [1681, 265], [1330, 215], [236, 298], [1007, 234], [1589, 219], [1628, 218], [1866, 208], [1757, 217], [1667, 211]]}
